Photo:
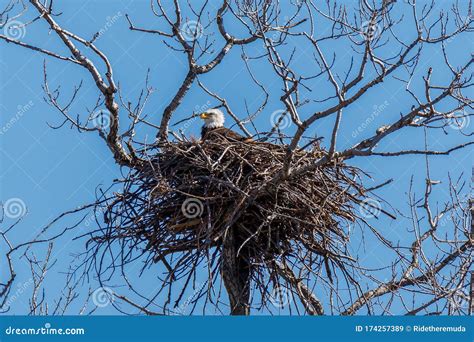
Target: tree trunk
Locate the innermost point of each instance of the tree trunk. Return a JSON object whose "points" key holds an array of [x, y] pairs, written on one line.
{"points": [[235, 271]]}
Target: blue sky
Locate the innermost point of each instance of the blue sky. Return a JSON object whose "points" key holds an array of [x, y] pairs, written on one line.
{"points": [[53, 171]]}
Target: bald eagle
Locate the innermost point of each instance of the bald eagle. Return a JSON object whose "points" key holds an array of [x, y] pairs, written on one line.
{"points": [[235, 259], [214, 127]]}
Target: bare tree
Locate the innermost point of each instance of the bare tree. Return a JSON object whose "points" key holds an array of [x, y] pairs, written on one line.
{"points": [[429, 275]]}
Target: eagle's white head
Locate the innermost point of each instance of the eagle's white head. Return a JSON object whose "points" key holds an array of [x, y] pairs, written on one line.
{"points": [[213, 118]]}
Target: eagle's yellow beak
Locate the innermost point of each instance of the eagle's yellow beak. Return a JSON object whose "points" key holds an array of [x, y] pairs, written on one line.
{"points": [[203, 115]]}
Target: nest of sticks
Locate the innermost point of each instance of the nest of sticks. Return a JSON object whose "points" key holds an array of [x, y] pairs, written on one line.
{"points": [[190, 195]]}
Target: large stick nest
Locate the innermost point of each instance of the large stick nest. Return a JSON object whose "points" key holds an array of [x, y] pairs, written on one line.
{"points": [[191, 194]]}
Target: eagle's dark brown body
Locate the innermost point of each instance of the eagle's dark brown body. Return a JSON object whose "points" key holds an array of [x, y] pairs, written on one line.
{"points": [[221, 132]]}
